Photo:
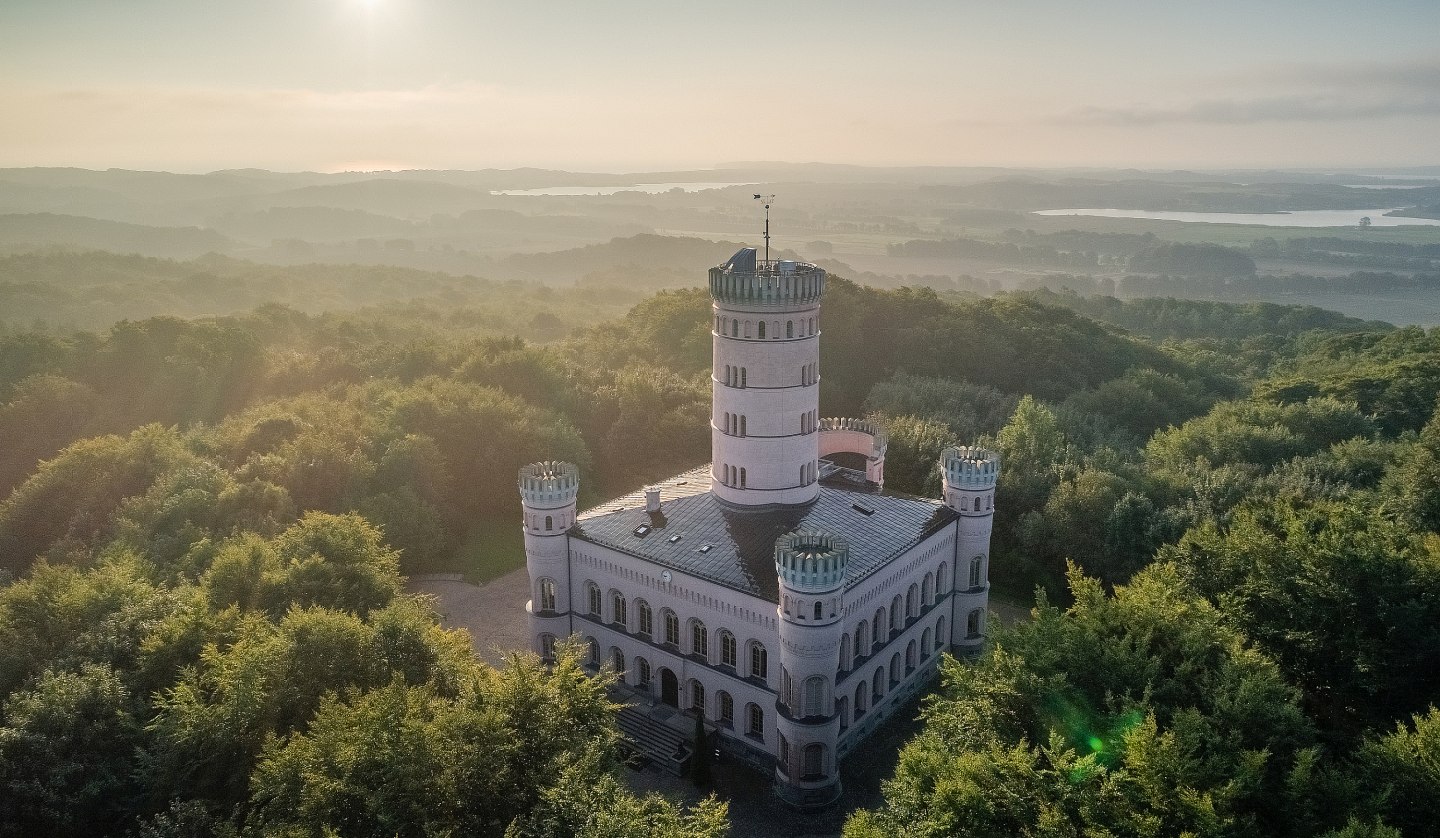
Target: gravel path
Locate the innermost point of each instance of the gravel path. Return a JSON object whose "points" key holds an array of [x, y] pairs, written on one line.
{"points": [[493, 613]]}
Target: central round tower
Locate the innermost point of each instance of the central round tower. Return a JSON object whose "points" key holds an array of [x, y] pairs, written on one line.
{"points": [[765, 410]]}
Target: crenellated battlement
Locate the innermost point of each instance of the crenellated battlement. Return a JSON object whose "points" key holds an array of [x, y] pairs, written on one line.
{"points": [[965, 467], [811, 561], [782, 284], [549, 484], [880, 439]]}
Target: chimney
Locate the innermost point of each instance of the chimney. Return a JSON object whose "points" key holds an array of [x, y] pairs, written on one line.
{"points": [[652, 498]]}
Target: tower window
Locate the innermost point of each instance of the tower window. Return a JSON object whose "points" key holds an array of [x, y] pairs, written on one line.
{"points": [[742, 426], [762, 329], [742, 377], [549, 523], [734, 328], [547, 595], [742, 475], [819, 610], [789, 328]]}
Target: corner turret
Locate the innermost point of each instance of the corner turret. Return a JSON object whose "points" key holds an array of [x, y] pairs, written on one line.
{"points": [[547, 500], [969, 476], [811, 567]]}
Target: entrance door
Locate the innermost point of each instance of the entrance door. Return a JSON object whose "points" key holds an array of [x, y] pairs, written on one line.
{"points": [[669, 688]]}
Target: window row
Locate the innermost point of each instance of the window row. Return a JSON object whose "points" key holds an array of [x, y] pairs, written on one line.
{"points": [[735, 376], [966, 507], [884, 679], [732, 475], [809, 373], [735, 425], [725, 652], [809, 421], [643, 675], [765, 330], [548, 523], [871, 635]]}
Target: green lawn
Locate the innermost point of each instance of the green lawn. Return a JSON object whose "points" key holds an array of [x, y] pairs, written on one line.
{"points": [[490, 550]]}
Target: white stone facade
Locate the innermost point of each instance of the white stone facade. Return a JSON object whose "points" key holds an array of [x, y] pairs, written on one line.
{"points": [[795, 668]]}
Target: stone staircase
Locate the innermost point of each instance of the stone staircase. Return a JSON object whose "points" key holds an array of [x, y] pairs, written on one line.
{"points": [[646, 729]]}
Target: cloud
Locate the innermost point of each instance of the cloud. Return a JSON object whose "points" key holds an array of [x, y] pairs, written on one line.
{"points": [[1341, 91], [1318, 107]]}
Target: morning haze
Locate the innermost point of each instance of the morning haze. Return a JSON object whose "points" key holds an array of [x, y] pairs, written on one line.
{"points": [[347, 84], [437, 418]]}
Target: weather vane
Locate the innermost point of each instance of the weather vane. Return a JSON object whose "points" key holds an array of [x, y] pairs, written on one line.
{"points": [[767, 200]]}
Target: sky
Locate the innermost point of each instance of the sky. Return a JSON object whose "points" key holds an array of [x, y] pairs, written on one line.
{"points": [[634, 85]]}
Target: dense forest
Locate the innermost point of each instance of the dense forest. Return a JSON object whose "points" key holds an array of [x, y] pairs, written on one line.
{"points": [[1229, 514]]}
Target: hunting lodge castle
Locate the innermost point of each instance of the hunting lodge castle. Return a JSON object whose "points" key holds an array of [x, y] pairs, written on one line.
{"points": [[779, 591]]}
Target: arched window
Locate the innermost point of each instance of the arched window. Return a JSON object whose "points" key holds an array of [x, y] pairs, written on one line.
{"points": [[862, 639], [618, 612], [726, 714], [547, 595], [742, 477], [927, 590], [819, 610], [672, 627], [881, 627], [861, 692], [845, 653], [940, 587], [877, 684], [940, 634], [727, 649], [812, 325], [727, 421], [812, 762], [734, 328], [592, 597], [697, 697], [642, 672], [754, 720], [728, 382], [747, 329], [814, 696], [910, 659], [975, 623], [742, 425], [912, 597], [743, 371], [699, 639], [787, 689], [842, 710], [549, 523], [592, 651], [617, 660], [646, 620], [925, 645], [789, 328], [759, 661], [894, 669], [762, 329], [897, 617], [547, 646], [976, 566]]}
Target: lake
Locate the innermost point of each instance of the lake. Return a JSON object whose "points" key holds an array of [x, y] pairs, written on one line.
{"points": [[1299, 218], [650, 188]]}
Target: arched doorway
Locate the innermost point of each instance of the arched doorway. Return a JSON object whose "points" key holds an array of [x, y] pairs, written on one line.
{"points": [[669, 688]]}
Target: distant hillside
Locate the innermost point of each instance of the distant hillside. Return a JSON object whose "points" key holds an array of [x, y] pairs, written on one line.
{"points": [[48, 229], [643, 261]]}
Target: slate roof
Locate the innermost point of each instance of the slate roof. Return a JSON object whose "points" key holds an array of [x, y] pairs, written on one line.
{"points": [[741, 542]]}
